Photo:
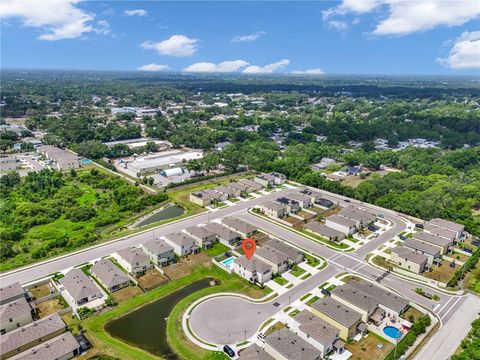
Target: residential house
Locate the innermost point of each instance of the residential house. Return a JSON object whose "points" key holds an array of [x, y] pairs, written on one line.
{"points": [[244, 189], [293, 206], [408, 259], [30, 335], [204, 238], [182, 243], [283, 344], [355, 299], [323, 164], [353, 170], [159, 252], [243, 228], [109, 275], [265, 180], [442, 232], [274, 209], [223, 233], [9, 162], [303, 200], [314, 195], [441, 242], [78, 288], [449, 225], [361, 217], [278, 178], [341, 223], [253, 186], [347, 320], [432, 252], [277, 259], [329, 233], [134, 260], [228, 191], [318, 332], [12, 292], [207, 197], [325, 203], [294, 255], [253, 270], [255, 352], [15, 314], [62, 347]]}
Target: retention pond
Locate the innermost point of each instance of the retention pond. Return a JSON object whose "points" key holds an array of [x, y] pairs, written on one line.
{"points": [[168, 213], [146, 327]]}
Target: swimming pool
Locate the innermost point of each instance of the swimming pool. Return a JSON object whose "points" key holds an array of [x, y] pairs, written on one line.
{"points": [[392, 332], [228, 262]]}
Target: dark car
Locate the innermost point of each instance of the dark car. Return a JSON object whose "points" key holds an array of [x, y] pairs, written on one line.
{"points": [[229, 351], [346, 200], [476, 242], [325, 292], [372, 228], [420, 226], [467, 249]]}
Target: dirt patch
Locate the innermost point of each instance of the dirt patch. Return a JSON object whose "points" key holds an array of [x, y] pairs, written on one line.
{"points": [[186, 265], [151, 279], [366, 348], [411, 311], [51, 306], [126, 293], [40, 291], [442, 273], [293, 221]]}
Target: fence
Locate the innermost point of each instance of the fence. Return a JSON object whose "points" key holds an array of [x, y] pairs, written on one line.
{"points": [[46, 297], [222, 266], [419, 277]]}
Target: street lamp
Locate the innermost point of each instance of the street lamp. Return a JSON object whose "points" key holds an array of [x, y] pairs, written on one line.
{"points": [[289, 298], [245, 335]]}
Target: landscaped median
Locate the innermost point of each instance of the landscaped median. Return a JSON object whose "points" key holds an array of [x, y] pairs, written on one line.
{"points": [[104, 343]]}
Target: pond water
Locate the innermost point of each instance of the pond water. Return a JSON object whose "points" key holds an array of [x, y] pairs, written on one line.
{"points": [[146, 327], [167, 213]]}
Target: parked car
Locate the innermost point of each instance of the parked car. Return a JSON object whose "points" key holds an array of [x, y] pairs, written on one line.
{"points": [[381, 216], [229, 351], [372, 227], [476, 242], [467, 249], [325, 292], [402, 237], [346, 200], [375, 235], [420, 226]]}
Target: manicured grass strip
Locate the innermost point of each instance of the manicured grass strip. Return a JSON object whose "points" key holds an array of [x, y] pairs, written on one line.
{"points": [[280, 280], [297, 271]]}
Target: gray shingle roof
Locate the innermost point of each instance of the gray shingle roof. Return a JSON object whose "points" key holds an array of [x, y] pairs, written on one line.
{"points": [[447, 224], [108, 273], [298, 197], [253, 264], [432, 239], [251, 184], [199, 232], [181, 239], [271, 254], [79, 285], [342, 220], [52, 349], [275, 206], [292, 346], [238, 224], [356, 297], [222, 231], [11, 291], [238, 186], [324, 230], [440, 231], [31, 332], [291, 252], [356, 214], [384, 297], [226, 190], [14, 309], [133, 255], [157, 246], [337, 311], [255, 352], [317, 328], [410, 255], [421, 246]]}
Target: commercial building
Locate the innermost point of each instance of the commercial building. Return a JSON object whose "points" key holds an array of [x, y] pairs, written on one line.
{"points": [[63, 159], [160, 161], [408, 259], [134, 260], [109, 275], [182, 243], [329, 233], [341, 223], [159, 252]]}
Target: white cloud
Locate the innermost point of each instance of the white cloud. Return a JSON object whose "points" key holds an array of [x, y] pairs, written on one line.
{"points": [[267, 69], [103, 27], [337, 25], [465, 53], [57, 19], [309, 72], [225, 66], [153, 67], [247, 38], [406, 16], [176, 45], [136, 12]]}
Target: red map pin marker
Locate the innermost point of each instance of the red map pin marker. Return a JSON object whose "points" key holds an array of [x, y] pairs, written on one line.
{"points": [[248, 247]]}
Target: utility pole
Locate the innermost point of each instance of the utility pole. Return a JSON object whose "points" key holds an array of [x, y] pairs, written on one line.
{"points": [[289, 298]]}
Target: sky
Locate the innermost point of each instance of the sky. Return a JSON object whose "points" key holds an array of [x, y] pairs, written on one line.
{"points": [[252, 37]]}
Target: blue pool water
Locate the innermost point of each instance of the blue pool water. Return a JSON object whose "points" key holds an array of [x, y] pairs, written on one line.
{"points": [[228, 262], [392, 332]]}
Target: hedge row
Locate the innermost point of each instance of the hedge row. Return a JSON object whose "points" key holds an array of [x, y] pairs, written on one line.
{"points": [[460, 273]]}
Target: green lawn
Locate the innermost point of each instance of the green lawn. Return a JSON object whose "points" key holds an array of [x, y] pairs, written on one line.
{"points": [[280, 280], [217, 249], [312, 261], [297, 271], [332, 244]]}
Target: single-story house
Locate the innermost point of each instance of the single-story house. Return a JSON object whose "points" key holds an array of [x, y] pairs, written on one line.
{"points": [[15, 314], [109, 275], [12, 292], [292, 205], [294, 255], [313, 329], [254, 186], [78, 288], [277, 259], [274, 209], [361, 217], [159, 252], [31, 335], [408, 259], [204, 238], [134, 260], [432, 252], [182, 243], [228, 191], [283, 344], [338, 315], [449, 225], [323, 164], [62, 347], [341, 223], [353, 170], [324, 231], [441, 242], [253, 270], [304, 201], [223, 233], [255, 352], [243, 228]]}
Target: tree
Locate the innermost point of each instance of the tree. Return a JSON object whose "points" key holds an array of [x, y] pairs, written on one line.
{"points": [[27, 147], [5, 145]]}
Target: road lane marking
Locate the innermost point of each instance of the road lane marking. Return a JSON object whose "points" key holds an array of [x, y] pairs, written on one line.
{"points": [[451, 307], [439, 311]]}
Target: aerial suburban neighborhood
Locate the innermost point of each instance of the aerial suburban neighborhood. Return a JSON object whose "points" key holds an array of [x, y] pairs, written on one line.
{"points": [[240, 180]]}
